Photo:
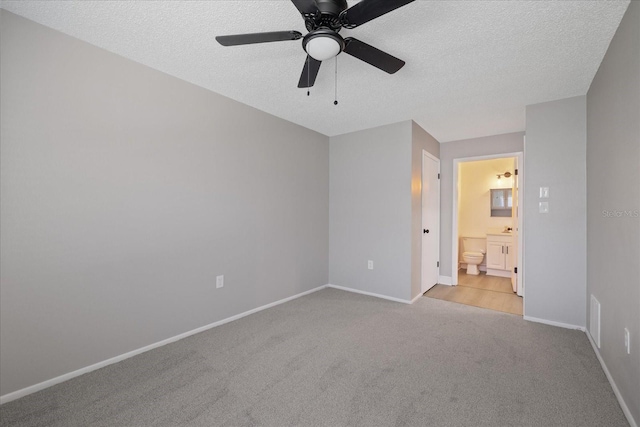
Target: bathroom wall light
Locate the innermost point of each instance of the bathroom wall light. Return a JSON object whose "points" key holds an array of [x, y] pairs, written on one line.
{"points": [[507, 174]]}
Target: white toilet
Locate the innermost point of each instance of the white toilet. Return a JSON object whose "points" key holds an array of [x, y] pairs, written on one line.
{"points": [[473, 253]]}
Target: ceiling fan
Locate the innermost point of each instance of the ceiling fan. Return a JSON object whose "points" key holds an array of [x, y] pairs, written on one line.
{"points": [[324, 19]]}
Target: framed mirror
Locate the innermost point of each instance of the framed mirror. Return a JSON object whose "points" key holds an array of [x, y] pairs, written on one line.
{"points": [[501, 202]]}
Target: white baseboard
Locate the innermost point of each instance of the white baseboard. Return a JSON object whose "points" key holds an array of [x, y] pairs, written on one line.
{"points": [[371, 294], [445, 280], [65, 377], [417, 297], [616, 391], [554, 323], [498, 273]]}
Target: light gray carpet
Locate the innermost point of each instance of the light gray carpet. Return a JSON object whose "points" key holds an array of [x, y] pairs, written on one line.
{"points": [[335, 358]]}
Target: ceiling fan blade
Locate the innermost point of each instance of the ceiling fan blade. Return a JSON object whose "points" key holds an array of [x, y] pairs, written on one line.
{"points": [[274, 36], [305, 6], [373, 56], [309, 72], [367, 10]]}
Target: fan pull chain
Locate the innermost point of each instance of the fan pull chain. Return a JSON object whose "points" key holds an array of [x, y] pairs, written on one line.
{"points": [[335, 102], [308, 72]]}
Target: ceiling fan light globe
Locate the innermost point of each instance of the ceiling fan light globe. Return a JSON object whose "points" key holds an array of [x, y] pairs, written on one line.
{"points": [[323, 44], [322, 48]]}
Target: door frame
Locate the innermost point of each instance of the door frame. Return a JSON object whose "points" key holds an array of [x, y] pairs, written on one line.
{"points": [[454, 222], [436, 227]]}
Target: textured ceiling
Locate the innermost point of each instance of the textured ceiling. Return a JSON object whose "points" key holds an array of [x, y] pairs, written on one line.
{"points": [[472, 66]]}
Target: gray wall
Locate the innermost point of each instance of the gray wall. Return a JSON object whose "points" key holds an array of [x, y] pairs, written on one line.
{"points": [[555, 244], [449, 151], [613, 186], [125, 192], [421, 140], [370, 210]]}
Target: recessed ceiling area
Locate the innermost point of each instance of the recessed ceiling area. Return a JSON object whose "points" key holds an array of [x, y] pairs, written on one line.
{"points": [[471, 66]]}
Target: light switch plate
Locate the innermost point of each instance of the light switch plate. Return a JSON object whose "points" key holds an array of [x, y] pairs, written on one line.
{"points": [[544, 192], [544, 207]]}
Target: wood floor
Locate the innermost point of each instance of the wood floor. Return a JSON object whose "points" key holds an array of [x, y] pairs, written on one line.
{"points": [[494, 293]]}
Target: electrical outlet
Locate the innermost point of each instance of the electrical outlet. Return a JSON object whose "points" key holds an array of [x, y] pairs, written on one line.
{"points": [[370, 265], [627, 340], [219, 282]]}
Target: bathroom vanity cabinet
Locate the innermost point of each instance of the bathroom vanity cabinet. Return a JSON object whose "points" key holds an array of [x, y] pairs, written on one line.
{"points": [[499, 254]]}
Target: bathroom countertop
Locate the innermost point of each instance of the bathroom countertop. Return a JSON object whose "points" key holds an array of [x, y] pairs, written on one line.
{"points": [[498, 232]]}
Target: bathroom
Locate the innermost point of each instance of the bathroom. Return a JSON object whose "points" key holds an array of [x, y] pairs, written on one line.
{"points": [[487, 230]]}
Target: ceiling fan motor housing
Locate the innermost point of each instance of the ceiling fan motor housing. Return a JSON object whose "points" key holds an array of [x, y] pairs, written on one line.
{"points": [[328, 15]]}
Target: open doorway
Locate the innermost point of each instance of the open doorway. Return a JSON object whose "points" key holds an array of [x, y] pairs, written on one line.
{"points": [[487, 234]]}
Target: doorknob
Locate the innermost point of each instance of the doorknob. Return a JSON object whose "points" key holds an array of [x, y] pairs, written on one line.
{"points": [[424, 230]]}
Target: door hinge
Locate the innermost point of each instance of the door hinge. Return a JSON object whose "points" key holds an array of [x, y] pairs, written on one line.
{"points": [[516, 171], [515, 270], [438, 176], [438, 264]]}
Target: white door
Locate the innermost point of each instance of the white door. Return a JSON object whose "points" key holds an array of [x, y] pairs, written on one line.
{"points": [[514, 215], [430, 221]]}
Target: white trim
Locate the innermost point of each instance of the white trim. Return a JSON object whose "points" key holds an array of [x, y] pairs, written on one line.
{"points": [[65, 377], [616, 391], [417, 297], [431, 156], [554, 323], [455, 251], [444, 280], [521, 231], [498, 273], [371, 294], [454, 214]]}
